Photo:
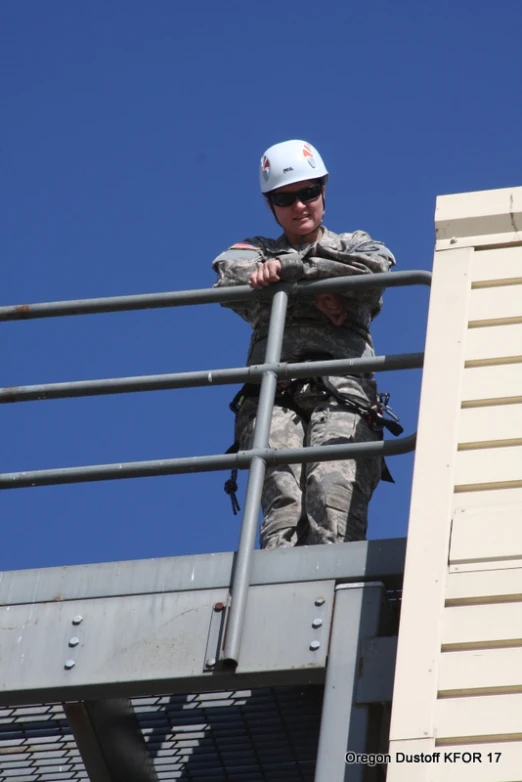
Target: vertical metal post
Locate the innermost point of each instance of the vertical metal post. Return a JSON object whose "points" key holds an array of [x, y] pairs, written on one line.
{"points": [[241, 579], [344, 726]]}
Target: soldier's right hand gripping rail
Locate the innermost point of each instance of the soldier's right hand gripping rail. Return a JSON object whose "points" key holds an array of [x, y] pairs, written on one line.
{"points": [[323, 502]]}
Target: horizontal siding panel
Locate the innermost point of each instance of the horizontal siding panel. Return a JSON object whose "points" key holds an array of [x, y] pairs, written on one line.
{"points": [[488, 465], [483, 669], [500, 422], [479, 499], [505, 263], [490, 715], [401, 772], [482, 625], [478, 567], [490, 241], [483, 585], [494, 303], [508, 768], [489, 383], [492, 532], [493, 342]]}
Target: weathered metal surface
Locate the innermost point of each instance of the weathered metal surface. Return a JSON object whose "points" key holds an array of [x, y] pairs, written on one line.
{"points": [[278, 630], [364, 560], [148, 643], [376, 670], [344, 725]]}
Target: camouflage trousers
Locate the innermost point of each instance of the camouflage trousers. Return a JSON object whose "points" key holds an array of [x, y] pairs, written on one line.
{"points": [[321, 502]]}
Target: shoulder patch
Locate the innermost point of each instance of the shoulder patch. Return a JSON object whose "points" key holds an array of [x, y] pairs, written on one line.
{"points": [[243, 246]]}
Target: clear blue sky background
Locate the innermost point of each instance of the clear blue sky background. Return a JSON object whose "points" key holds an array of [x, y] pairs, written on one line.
{"points": [[130, 139]]}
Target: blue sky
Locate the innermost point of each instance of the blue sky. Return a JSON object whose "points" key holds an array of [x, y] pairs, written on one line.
{"points": [[130, 138]]}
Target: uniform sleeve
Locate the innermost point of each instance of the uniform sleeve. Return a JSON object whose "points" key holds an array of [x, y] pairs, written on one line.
{"points": [[233, 267], [357, 254], [367, 254]]}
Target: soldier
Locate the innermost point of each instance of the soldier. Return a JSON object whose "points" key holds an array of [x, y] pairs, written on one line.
{"points": [[324, 502]]}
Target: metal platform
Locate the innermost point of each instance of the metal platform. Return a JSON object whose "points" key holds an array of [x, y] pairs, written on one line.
{"points": [[244, 735], [129, 655]]}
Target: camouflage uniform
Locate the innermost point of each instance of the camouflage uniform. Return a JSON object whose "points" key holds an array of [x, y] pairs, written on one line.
{"points": [[324, 502]]}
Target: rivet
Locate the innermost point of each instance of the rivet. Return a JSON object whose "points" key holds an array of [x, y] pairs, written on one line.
{"points": [[317, 622], [219, 606], [319, 601], [77, 620], [315, 645], [74, 641], [69, 664], [210, 663]]}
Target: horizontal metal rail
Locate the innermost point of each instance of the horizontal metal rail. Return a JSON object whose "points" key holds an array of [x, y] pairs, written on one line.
{"points": [[260, 456], [55, 309], [191, 464], [211, 377]]}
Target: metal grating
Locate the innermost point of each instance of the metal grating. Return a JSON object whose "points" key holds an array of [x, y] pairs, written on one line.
{"points": [[36, 745], [261, 735]]}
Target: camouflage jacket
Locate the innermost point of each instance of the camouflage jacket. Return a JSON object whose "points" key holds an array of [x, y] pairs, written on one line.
{"points": [[308, 332]]}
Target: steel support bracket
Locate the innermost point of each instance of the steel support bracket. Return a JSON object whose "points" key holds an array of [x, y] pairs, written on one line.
{"points": [[216, 632]]}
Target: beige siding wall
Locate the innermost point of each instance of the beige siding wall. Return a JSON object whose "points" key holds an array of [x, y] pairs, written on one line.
{"points": [[459, 667]]}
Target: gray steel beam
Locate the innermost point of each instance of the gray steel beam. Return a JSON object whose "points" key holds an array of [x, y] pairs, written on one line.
{"points": [[256, 477], [350, 562], [344, 725], [190, 464], [377, 670], [209, 295], [112, 647], [110, 741], [211, 377]]}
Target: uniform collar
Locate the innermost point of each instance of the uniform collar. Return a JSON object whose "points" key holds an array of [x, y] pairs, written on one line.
{"points": [[282, 242]]}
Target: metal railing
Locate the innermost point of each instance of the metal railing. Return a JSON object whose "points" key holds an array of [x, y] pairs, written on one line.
{"points": [[259, 456]]}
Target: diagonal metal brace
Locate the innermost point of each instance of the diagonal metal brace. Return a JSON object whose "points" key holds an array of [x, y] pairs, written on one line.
{"points": [[110, 741]]}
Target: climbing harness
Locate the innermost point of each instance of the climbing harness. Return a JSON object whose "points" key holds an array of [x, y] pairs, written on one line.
{"points": [[378, 416]]}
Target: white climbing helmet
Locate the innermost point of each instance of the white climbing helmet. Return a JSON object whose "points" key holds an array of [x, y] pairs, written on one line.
{"points": [[289, 162]]}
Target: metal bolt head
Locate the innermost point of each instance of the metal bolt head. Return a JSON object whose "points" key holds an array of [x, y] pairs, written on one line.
{"points": [[77, 620], [74, 641], [69, 664], [210, 663], [320, 601], [314, 646], [317, 622], [219, 606]]}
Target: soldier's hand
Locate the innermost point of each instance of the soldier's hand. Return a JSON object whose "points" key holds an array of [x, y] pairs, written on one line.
{"points": [[265, 274], [332, 305]]}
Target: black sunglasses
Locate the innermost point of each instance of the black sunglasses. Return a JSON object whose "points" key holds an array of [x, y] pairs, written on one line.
{"points": [[305, 195]]}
